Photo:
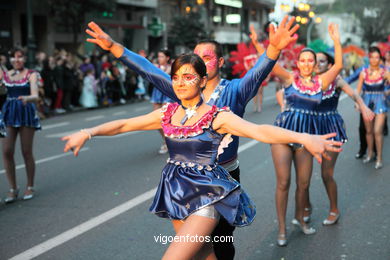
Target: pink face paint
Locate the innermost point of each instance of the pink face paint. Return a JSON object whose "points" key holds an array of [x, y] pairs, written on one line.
{"points": [[207, 53], [188, 79], [186, 75]]}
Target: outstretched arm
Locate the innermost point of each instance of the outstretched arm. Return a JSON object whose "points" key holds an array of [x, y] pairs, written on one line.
{"points": [[330, 75], [355, 76], [367, 114], [278, 70], [77, 140], [279, 39], [227, 122], [359, 86], [135, 62]]}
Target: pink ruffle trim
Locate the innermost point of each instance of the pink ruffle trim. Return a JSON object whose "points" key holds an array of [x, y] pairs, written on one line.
{"points": [[311, 90], [186, 131]]}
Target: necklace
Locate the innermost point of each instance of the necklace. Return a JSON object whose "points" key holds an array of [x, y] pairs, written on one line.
{"points": [[305, 80], [373, 72], [16, 72], [190, 111]]}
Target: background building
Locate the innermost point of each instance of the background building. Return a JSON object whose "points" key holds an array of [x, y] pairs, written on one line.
{"points": [[139, 24]]}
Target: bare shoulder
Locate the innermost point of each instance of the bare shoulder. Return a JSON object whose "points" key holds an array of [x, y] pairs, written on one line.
{"points": [[222, 118]]}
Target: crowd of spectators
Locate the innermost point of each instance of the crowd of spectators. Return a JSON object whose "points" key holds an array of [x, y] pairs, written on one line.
{"points": [[69, 81]]}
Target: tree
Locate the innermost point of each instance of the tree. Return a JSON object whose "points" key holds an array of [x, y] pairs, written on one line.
{"points": [[374, 16], [71, 13], [187, 30]]}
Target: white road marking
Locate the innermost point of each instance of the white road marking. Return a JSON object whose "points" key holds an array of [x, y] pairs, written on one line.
{"points": [[62, 134], [138, 109], [94, 118], [45, 127], [119, 113], [247, 145], [59, 135], [84, 227], [21, 166], [96, 221]]}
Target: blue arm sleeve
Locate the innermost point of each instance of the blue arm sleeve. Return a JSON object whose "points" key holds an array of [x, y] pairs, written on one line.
{"points": [[354, 76], [250, 83], [148, 71]]}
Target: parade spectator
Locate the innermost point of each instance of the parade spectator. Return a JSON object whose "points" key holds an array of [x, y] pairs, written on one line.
{"points": [[59, 74], [88, 96]]}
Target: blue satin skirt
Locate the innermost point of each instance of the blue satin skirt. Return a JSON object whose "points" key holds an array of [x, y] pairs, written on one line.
{"points": [[16, 114], [376, 102], [332, 122], [184, 190], [298, 121]]}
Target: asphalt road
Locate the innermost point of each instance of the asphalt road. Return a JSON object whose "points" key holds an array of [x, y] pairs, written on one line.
{"points": [[96, 206]]}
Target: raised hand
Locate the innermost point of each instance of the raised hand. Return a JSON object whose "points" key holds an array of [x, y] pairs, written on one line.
{"points": [[334, 32], [75, 142], [99, 36], [253, 34], [318, 145], [283, 35]]}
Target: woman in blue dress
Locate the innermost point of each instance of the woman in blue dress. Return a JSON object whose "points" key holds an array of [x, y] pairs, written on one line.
{"points": [[302, 94], [194, 190], [371, 86], [19, 116], [330, 121]]}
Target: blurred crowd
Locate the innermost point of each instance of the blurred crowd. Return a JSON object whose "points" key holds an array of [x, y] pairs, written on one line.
{"points": [[69, 81]]}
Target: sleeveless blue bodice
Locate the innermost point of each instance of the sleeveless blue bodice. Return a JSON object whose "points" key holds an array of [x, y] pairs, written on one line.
{"points": [[300, 113], [330, 121], [373, 93], [192, 178], [14, 112]]}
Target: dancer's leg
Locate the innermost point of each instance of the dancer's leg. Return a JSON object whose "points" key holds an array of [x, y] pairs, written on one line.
{"points": [[303, 162], [327, 173], [26, 141], [8, 156], [282, 158], [369, 125], [194, 226], [378, 133]]}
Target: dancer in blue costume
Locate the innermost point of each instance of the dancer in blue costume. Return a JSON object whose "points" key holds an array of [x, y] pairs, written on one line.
{"points": [[194, 190], [362, 130], [19, 116], [331, 122], [303, 93], [371, 85], [220, 92]]}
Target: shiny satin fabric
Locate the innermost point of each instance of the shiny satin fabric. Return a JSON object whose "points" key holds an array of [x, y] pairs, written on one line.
{"points": [[201, 149], [330, 121], [235, 93], [374, 97], [300, 111], [14, 112], [192, 180]]}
